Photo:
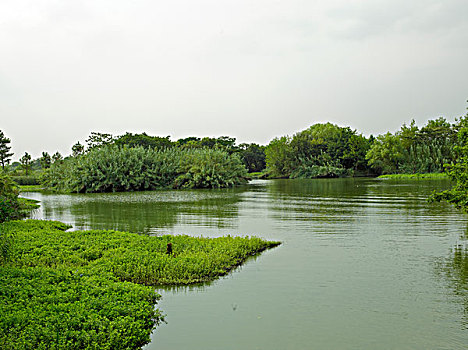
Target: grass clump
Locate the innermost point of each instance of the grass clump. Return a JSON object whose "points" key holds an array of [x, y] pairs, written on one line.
{"points": [[90, 289]]}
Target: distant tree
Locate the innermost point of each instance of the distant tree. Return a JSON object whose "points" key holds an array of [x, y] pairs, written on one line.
{"points": [[57, 157], [45, 160], [97, 139], [253, 156], [5, 154], [77, 149], [457, 170], [182, 142], [279, 156], [386, 154], [26, 162], [144, 140]]}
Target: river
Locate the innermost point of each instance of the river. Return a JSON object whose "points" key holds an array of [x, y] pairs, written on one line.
{"points": [[364, 264]]}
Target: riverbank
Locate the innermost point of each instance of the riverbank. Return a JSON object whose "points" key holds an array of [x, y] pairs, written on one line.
{"points": [[85, 289], [430, 176]]}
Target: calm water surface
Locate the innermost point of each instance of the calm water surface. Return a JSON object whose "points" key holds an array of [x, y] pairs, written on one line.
{"points": [[364, 264]]}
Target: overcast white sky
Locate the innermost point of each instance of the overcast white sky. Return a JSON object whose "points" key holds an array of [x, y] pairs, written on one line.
{"points": [[251, 69]]}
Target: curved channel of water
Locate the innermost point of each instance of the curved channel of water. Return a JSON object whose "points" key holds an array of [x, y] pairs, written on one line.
{"points": [[364, 264]]}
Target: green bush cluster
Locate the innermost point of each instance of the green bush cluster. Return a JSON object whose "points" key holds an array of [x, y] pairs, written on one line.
{"points": [[112, 169], [85, 289], [322, 150]]}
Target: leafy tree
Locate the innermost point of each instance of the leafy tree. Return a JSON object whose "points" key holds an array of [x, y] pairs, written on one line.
{"points": [[57, 157], [278, 156], [457, 170], [182, 142], [386, 154], [5, 154], [322, 150], [77, 149], [253, 156], [45, 160], [144, 140], [26, 162], [97, 139]]}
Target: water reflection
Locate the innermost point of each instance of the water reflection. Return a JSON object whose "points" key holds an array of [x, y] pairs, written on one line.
{"points": [[455, 270], [144, 212]]}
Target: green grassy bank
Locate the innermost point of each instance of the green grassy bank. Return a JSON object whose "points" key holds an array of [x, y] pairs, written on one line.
{"points": [[430, 176], [92, 289]]}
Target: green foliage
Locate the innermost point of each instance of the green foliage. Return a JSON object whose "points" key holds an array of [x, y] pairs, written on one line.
{"points": [[457, 170], [253, 156], [44, 308], [30, 188], [412, 150], [417, 176], [385, 154], [45, 160], [5, 154], [12, 207], [127, 256], [144, 140], [25, 161], [5, 246], [98, 139], [23, 180], [210, 169], [9, 206], [322, 150], [57, 157], [278, 155], [76, 290], [77, 149], [111, 169]]}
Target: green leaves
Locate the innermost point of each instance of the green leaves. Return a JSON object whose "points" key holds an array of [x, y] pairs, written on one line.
{"points": [[114, 169], [322, 150]]}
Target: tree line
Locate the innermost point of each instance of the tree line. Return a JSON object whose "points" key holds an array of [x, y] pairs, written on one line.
{"points": [[322, 150]]}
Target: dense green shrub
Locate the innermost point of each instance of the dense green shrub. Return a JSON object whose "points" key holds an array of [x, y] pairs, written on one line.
{"points": [[112, 169], [458, 172], [12, 207], [322, 150], [203, 168], [9, 205]]}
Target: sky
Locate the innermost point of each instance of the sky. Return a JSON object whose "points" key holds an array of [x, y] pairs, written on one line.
{"points": [[250, 69]]}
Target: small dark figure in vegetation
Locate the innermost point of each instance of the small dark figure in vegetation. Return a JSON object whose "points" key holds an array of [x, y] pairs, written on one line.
{"points": [[169, 249]]}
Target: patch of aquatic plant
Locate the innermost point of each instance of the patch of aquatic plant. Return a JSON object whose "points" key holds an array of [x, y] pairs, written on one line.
{"points": [[85, 289], [113, 169], [127, 256], [45, 308], [429, 176]]}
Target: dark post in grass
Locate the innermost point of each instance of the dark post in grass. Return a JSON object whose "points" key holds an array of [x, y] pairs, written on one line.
{"points": [[169, 249]]}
